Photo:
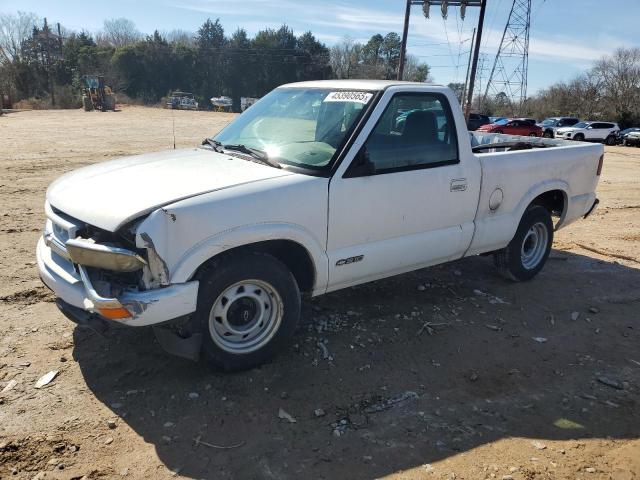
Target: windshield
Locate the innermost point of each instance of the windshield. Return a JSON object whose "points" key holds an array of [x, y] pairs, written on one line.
{"points": [[298, 126], [549, 122], [581, 125], [504, 121]]}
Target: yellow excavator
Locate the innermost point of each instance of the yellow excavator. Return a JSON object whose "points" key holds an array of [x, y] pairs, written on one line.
{"points": [[96, 95]]}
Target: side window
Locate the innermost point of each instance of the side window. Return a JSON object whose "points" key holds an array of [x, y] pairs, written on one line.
{"points": [[415, 131]]}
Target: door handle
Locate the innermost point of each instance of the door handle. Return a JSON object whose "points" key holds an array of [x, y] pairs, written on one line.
{"points": [[458, 185]]}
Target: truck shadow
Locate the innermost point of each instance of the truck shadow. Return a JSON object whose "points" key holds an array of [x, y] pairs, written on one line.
{"points": [[395, 374]]}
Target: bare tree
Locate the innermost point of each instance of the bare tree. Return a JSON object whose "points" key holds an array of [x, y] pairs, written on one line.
{"points": [[619, 75], [344, 58], [118, 32], [415, 70], [180, 37], [14, 29]]}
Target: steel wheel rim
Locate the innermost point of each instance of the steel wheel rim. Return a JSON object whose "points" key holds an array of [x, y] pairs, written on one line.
{"points": [[245, 316], [534, 245]]}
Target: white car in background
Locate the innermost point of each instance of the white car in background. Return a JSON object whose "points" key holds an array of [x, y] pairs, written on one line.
{"points": [[591, 132]]}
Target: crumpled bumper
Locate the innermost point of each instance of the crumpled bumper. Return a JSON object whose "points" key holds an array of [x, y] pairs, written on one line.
{"points": [[149, 307]]}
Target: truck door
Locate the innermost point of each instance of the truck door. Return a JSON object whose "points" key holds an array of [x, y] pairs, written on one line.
{"points": [[405, 200]]}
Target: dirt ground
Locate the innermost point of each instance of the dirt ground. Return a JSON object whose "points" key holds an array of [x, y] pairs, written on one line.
{"points": [[374, 392]]}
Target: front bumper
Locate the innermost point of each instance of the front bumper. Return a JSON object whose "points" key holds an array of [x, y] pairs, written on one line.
{"points": [[148, 307]]}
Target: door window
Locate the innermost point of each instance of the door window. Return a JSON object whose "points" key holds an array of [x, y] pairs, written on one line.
{"points": [[415, 131]]}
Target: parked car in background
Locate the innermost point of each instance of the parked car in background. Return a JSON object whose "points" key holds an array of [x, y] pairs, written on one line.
{"points": [[606, 132], [633, 138], [513, 126], [532, 121], [622, 135], [476, 120], [550, 124], [182, 101]]}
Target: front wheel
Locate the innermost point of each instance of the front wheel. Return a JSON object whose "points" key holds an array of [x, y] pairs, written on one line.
{"points": [[547, 134], [248, 308], [578, 137], [611, 140], [529, 249]]}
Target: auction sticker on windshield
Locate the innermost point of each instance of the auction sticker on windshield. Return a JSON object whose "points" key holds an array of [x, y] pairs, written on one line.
{"points": [[358, 97]]}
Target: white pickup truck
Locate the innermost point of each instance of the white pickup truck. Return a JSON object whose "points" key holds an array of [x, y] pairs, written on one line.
{"points": [[319, 186]]}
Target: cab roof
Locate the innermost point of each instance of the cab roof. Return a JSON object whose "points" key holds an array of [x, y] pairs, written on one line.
{"points": [[355, 84]]}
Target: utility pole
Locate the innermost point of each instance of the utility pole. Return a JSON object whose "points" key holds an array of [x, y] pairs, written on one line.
{"points": [[474, 63], [444, 5], [48, 61], [405, 34], [466, 78]]}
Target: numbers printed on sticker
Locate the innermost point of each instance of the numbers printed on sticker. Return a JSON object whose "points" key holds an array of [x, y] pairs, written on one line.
{"points": [[357, 97]]}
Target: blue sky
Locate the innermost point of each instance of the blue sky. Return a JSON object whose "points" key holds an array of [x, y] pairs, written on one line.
{"points": [[566, 35]]}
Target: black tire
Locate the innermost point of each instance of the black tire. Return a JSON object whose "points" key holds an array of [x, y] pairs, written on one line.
{"points": [[578, 137], [533, 134], [498, 131], [215, 280], [510, 259], [547, 134], [610, 140]]}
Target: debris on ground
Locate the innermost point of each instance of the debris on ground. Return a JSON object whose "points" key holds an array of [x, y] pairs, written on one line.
{"points": [[46, 379], [9, 386], [198, 441], [538, 445], [539, 339], [575, 316], [610, 382], [430, 327], [340, 428], [318, 412], [494, 300], [391, 402], [286, 416]]}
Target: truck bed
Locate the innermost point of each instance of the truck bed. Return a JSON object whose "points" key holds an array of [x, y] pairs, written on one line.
{"points": [[521, 175]]}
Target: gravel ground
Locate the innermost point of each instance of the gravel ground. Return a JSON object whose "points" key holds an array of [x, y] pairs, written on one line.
{"points": [[374, 390]]}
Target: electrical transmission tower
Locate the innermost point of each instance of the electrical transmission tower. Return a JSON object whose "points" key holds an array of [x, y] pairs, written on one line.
{"points": [[508, 78]]}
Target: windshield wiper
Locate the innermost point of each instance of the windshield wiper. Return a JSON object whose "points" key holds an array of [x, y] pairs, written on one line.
{"points": [[254, 152], [214, 144]]}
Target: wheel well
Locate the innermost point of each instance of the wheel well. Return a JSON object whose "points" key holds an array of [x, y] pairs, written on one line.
{"points": [[292, 254], [554, 201]]}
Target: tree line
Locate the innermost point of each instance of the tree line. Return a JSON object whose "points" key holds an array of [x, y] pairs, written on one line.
{"points": [[41, 61]]}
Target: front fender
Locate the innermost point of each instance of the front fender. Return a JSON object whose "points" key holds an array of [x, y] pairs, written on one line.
{"points": [[191, 260]]}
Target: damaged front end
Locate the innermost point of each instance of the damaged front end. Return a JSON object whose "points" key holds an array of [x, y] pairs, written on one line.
{"points": [[104, 277]]}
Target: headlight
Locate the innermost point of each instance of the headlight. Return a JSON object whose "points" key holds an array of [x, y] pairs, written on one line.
{"points": [[89, 254]]}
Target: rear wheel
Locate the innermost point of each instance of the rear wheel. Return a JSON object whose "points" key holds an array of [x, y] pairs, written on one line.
{"points": [[248, 308], [533, 134], [498, 131], [578, 137], [529, 249], [611, 140], [547, 134]]}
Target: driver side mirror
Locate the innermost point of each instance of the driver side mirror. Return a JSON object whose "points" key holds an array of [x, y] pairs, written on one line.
{"points": [[361, 166]]}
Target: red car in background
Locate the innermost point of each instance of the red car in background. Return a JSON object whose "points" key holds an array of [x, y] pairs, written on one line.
{"points": [[513, 126]]}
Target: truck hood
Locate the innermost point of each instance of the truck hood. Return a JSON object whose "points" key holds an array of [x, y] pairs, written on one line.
{"points": [[110, 194]]}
